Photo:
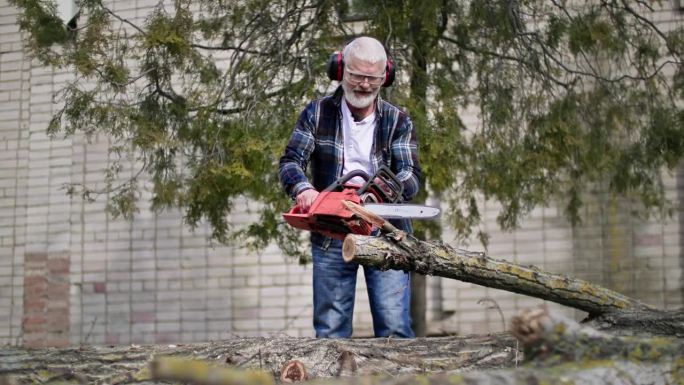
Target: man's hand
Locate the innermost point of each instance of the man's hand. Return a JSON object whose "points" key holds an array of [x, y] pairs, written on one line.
{"points": [[306, 198]]}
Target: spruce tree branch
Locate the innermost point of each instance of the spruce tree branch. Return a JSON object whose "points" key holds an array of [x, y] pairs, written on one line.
{"points": [[280, 92], [592, 75], [645, 4], [122, 85], [88, 192], [653, 27], [283, 20], [297, 33], [229, 48], [623, 77], [121, 19], [158, 89], [531, 66], [283, 51], [238, 55]]}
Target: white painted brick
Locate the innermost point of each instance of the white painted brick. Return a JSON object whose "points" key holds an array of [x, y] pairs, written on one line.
{"points": [[143, 328], [143, 264], [242, 325], [112, 265], [273, 270], [272, 313], [219, 326], [189, 274], [8, 57], [271, 301], [182, 277], [173, 315], [193, 326], [168, 327], [271, 324], [143, 275]]}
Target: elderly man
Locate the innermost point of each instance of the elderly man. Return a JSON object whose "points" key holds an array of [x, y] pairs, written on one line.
{"points": [[353, 129]]}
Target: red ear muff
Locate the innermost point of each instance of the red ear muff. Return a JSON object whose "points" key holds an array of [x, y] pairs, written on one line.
{"points": [[335, 66], [389, 73]]}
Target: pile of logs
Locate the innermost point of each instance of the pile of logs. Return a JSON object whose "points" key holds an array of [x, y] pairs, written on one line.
{"points": [[623, 341]]}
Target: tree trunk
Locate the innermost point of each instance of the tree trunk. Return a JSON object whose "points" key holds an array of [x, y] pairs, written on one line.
{"points": [[418, 304], [320, 357], [606, 308]]}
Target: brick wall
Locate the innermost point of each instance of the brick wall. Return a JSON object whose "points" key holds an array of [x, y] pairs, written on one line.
{"points": [[13, 174], [638, 257], [545, 239], [46, 300], [71, 274]]}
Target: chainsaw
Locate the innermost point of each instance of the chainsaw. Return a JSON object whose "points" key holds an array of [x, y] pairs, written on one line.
{"points": [[381, 194]]}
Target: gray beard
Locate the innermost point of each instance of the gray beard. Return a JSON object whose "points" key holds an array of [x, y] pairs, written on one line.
{"points": [[355, 101]]}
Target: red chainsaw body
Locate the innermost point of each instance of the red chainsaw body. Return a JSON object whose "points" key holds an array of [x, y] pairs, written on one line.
{"points": [[328, 216]]}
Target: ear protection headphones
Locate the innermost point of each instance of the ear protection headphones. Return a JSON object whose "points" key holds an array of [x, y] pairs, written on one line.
{"points": [[335, 67]]}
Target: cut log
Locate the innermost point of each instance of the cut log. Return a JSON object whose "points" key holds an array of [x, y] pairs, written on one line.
{"points": [[560, 351], [586, 373], [606, 308], [439, 259], [652, 322], [320, 357], [622, 371], [293, 371], [551, 339]]}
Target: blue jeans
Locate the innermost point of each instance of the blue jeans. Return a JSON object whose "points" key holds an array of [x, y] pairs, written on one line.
{"points": [[334, 287]]}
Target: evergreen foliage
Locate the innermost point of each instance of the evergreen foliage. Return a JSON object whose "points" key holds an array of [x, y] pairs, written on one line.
{"points": [[204, 94]]}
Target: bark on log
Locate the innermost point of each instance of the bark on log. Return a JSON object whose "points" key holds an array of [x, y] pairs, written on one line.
{"points": [[396, 250], [652, 322], [571, 354], [321, 357], [551, 339], [436, 258], [588, 373]]}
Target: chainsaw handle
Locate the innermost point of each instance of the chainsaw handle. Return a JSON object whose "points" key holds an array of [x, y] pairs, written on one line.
{"points": [[339, 184], [296, 209], [392, 190]]}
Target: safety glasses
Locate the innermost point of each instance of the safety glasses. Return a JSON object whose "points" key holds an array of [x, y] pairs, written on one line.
{"points": [[358, 78]]}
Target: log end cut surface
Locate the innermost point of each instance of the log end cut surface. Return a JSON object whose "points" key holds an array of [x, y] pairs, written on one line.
{"points": [[348, 249]]}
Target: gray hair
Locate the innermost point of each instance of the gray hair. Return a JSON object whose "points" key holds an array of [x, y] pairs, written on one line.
{"points": [[365, 48]]}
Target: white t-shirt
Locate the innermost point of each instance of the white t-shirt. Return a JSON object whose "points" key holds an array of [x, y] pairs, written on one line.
{"points": [[358, 140]]}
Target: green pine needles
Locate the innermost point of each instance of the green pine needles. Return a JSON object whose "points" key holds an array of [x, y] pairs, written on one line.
{"points": [[201, 96]]}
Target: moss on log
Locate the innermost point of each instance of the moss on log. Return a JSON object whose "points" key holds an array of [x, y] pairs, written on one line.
{"points": [[551, 339], [437, 258], [604, 372]]}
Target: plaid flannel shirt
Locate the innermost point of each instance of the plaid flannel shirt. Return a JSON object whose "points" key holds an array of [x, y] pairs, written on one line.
{"points": [[317, 139]]}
